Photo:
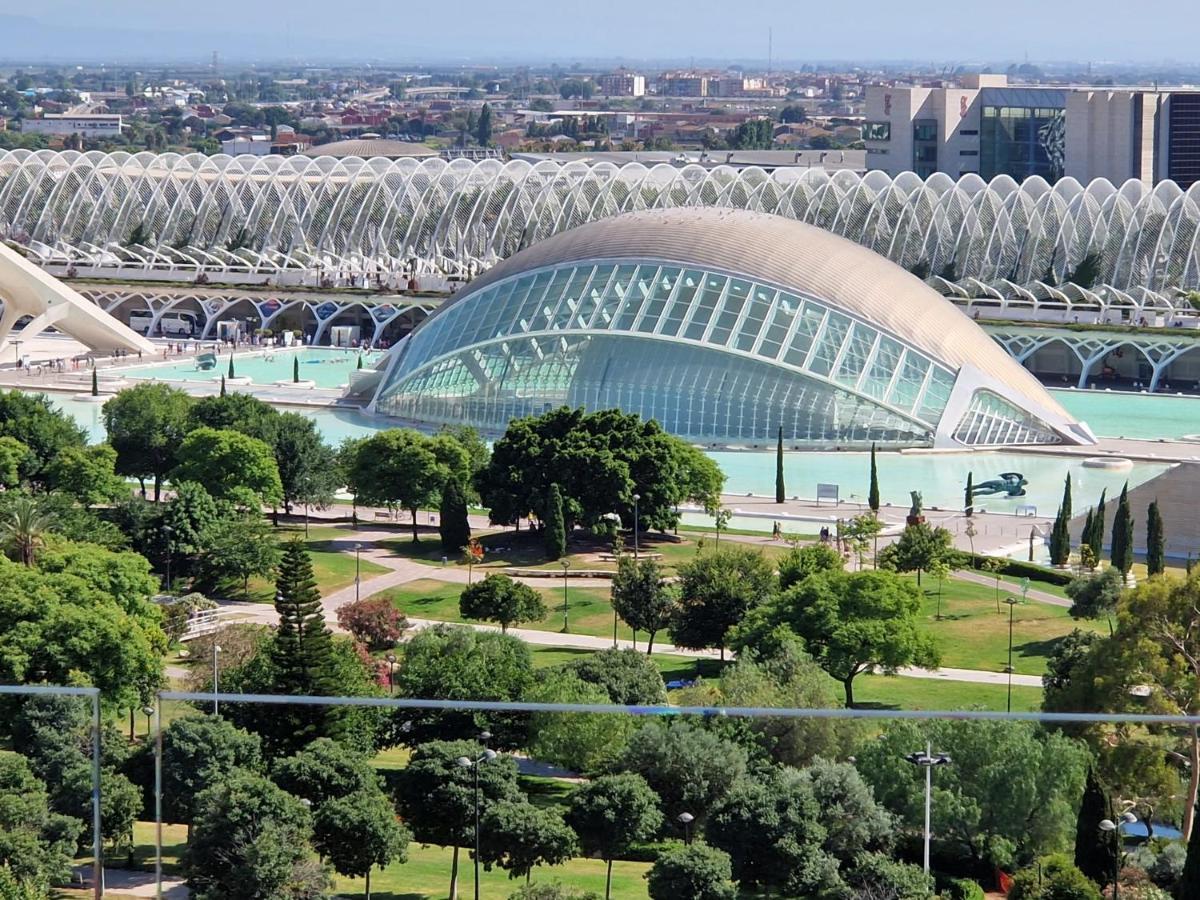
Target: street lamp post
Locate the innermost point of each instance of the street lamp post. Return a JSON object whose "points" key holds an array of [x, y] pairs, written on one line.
{"points": [[473, 764], [357, 570], [1109, 826], [168, 531], [927, 761], [391, 661], [1012, 602], [216, 682], [686, 819], [148, 712], [636, 498], [566, 564]]}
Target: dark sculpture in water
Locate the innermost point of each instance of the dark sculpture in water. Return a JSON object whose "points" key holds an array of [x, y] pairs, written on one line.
{"points": [[1011, 484]]}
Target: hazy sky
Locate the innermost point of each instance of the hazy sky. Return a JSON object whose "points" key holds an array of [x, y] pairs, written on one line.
{"points": [[945, 31]]}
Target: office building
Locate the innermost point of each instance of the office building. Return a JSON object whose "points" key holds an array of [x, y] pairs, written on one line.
{"points": [[622, 84], [91, 125]]}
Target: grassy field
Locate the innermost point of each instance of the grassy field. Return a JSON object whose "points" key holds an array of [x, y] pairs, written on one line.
{"points": [[973, 635], [332, 552]]}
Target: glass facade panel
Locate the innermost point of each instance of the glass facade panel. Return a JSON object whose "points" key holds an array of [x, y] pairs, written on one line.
{"points": [[731, 311], [857, 354], [829, 344], [704, 306], [1022, 142], [634, 293], [991, 420], [811, 317], [688, 285], [757, 311]]}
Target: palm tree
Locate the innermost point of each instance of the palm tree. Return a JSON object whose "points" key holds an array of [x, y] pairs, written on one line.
{"points": [[23, 529]]}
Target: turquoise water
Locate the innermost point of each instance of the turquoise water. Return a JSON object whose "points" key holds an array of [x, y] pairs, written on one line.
{"points": [[1143, 416], [328, 368], [940, 477]]}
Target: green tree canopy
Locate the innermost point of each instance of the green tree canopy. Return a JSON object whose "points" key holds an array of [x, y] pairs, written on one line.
{"points": [[453, 526], [308, 473], [15, 458], [358, 832], [199, 752], [800, 562], [1093, 596], [235, 412], [37, 845], [236, 549], [626, 676], [323, 771], [145, 426], [697, 871], [642, 597], [716, 591], [518, 836], [33, 420], [580, 742], [1052, 877], [849, 621], [498, 598], [917, 549], [610, 814], [87, 475], [231, 465]]}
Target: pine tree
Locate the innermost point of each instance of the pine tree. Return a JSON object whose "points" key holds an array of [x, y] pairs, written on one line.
{"points": [[873, 492], [780, 493], [555, 527], [1097, 537], [1122, 534], [295, 369], [1155, 549], [1095, 849], [452, 519], [969, 494], [231, 373]]}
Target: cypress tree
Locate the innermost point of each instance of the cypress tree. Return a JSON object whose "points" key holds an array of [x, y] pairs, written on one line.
{"points": [[222, 385], [453, 525], [780, 493], [1095, 850], [1060, 540], [95, 383], [359, 365], [555, 529], [1155, 549], [1097, 536], [295, 369], [1089, 523], [969, 494], [873, 492], [1122, 534], [231, 373], [301, 657], [1066, 501]]}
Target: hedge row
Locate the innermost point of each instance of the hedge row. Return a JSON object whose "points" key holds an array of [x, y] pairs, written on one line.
{"points": [[1020, 569]]}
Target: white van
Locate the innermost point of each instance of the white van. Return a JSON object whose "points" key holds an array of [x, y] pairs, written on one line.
{"points": [[170, 325]]}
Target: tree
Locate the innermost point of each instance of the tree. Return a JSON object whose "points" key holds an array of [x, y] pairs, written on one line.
{"points": [[145, 425], [876, 876], [307, 470], [917, 548], [627, 677], [232, 466], [1095, 538], [697, 871], [453, 526], [249, 840], [610, 814], [1096, 850], [859, 533], [374, 621], [715, 592], [14, 458], [483, 128], [199, 752], [324, 771], [1122, 534], [1095, 595], [580, 742], [448, 663], [497, 598], [14, 888], [436, 797], [1189, 879], [403, 468], [793, 112], [642, 597], [34, 421], [358, 832], [552, 890], [1010, 794], [1154, 540], [969, 495], [801, 562], [688, 767], [235, 412], [873, 490], [1053, 878], [773, 830], [780, 492], [1069, 684], [24, 528], [191, 515], [36, 845], [237, 549], [86, 474], [555, 536], [518, 836], [849, 622]]}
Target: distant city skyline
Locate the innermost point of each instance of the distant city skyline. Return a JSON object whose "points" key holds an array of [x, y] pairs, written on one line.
{"points": [[940, 33]]}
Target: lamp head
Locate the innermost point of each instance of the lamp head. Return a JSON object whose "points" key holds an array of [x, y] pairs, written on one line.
{"points": [[489, 754], [686, 818], [1108, 825], [464, 762]]}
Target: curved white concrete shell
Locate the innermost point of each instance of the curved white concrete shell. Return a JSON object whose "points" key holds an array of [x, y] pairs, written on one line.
{"points": [[724, 325], [277, 214]]}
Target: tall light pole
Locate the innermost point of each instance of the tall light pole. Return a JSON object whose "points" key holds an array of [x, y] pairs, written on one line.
{"points": [[566, 564], [391, 661], [636, 498], [1109, 826], [927, 761], [168, 531], [473, 764], [1012, 602], [216, 650], [148, 712], [357, 570], [686, 819]]}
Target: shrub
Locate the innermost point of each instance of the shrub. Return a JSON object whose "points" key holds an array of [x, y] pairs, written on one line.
{"points": [[552, 890], [373, 621], [962, 889], [1017, 568], [1052, 878]]}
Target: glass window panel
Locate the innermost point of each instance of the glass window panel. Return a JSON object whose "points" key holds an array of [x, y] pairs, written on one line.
{"points": [[858, 351], [664, 283], [937, 394], [570, 299], [532, 299], [610, 304], [830, 344], [907, 388], [731, 310], [811, 318], [690, 282], [590, 301], [883, 367], [785, 309], [759, 307], [636, 290], [704, 306]]}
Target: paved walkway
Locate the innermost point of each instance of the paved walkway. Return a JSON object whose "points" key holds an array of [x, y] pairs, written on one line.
{"points": [[403, 571], [131, 883]]}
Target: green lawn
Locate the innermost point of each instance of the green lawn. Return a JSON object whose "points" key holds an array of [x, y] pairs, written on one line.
{"points": [[331, 550], [972, 635], [897, 692]]}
